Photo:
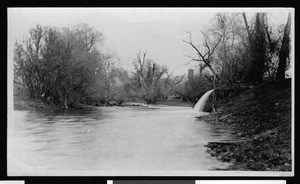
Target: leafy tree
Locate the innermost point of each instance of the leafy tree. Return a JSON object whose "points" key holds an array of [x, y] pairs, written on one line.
{"points": [[60, 64], [263, 51]]}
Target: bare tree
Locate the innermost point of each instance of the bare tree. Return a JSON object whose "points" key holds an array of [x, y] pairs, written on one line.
{"points": [[207, 57], [89, 36], [148, 75], [138, 64]]}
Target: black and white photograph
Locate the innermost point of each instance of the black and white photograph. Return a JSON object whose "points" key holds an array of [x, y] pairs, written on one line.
{"points": [[150, 91]]}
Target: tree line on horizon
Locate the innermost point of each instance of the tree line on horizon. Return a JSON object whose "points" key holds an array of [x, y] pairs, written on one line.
{"points": [[66, 66]]}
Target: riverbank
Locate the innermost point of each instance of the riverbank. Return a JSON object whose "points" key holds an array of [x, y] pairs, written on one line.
{"points": [[175, 103], [260, 118], [25, 103]]}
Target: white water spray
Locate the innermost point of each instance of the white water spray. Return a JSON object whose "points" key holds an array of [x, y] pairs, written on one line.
{"points": [[202, 101]]}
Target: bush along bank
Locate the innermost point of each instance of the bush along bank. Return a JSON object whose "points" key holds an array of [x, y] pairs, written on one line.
{"points": [[26, 103], [260, 119]]}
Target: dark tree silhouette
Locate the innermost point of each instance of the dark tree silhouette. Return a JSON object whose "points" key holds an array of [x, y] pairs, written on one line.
{"points": [[285, 50]]}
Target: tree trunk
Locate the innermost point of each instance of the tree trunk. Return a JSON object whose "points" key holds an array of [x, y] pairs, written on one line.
{"points": [[66, 102], [284, 51], [258, 50], [200, 69], [247, 29], [213, 97]]}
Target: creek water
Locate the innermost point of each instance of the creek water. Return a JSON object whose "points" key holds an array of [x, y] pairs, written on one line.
{"points": [[111, 138]]}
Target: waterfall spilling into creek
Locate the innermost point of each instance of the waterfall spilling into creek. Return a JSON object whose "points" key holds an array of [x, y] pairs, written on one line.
{"points": [[202, 101]]}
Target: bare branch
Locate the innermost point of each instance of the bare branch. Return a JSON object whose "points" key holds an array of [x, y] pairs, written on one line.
{"points": [[205, 44], [195, 48], [213, 50], [193, 59], [144, 57], [169, 75], [189, 62], [175, 83]]}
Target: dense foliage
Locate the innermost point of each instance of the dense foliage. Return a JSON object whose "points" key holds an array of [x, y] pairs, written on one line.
{"points": [[236, 51], [66, 67], [62, 66]]}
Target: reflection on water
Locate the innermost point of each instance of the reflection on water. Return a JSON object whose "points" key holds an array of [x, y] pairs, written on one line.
{"points": [[112, 138]]}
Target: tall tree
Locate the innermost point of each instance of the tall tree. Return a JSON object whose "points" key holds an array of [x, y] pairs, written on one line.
{"points": [[207, 57], [148, 78], [257, 48], [228, 61], [58, 63], [284, 51], [259, 54]]}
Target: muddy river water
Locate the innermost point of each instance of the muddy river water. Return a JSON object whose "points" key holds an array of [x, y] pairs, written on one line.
{"points": [[130, 138]]}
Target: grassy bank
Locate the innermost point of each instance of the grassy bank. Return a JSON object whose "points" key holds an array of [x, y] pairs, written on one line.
{"points": [[260, 118]]}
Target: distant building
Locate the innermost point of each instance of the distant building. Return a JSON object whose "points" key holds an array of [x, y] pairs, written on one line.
{"points": [[191, 74]]}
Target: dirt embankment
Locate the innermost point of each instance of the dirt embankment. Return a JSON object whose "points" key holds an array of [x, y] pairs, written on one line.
{"points": [[260, 118]]}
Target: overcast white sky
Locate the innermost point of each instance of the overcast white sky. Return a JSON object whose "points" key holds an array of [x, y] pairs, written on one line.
{"points": [[160, 31]]}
